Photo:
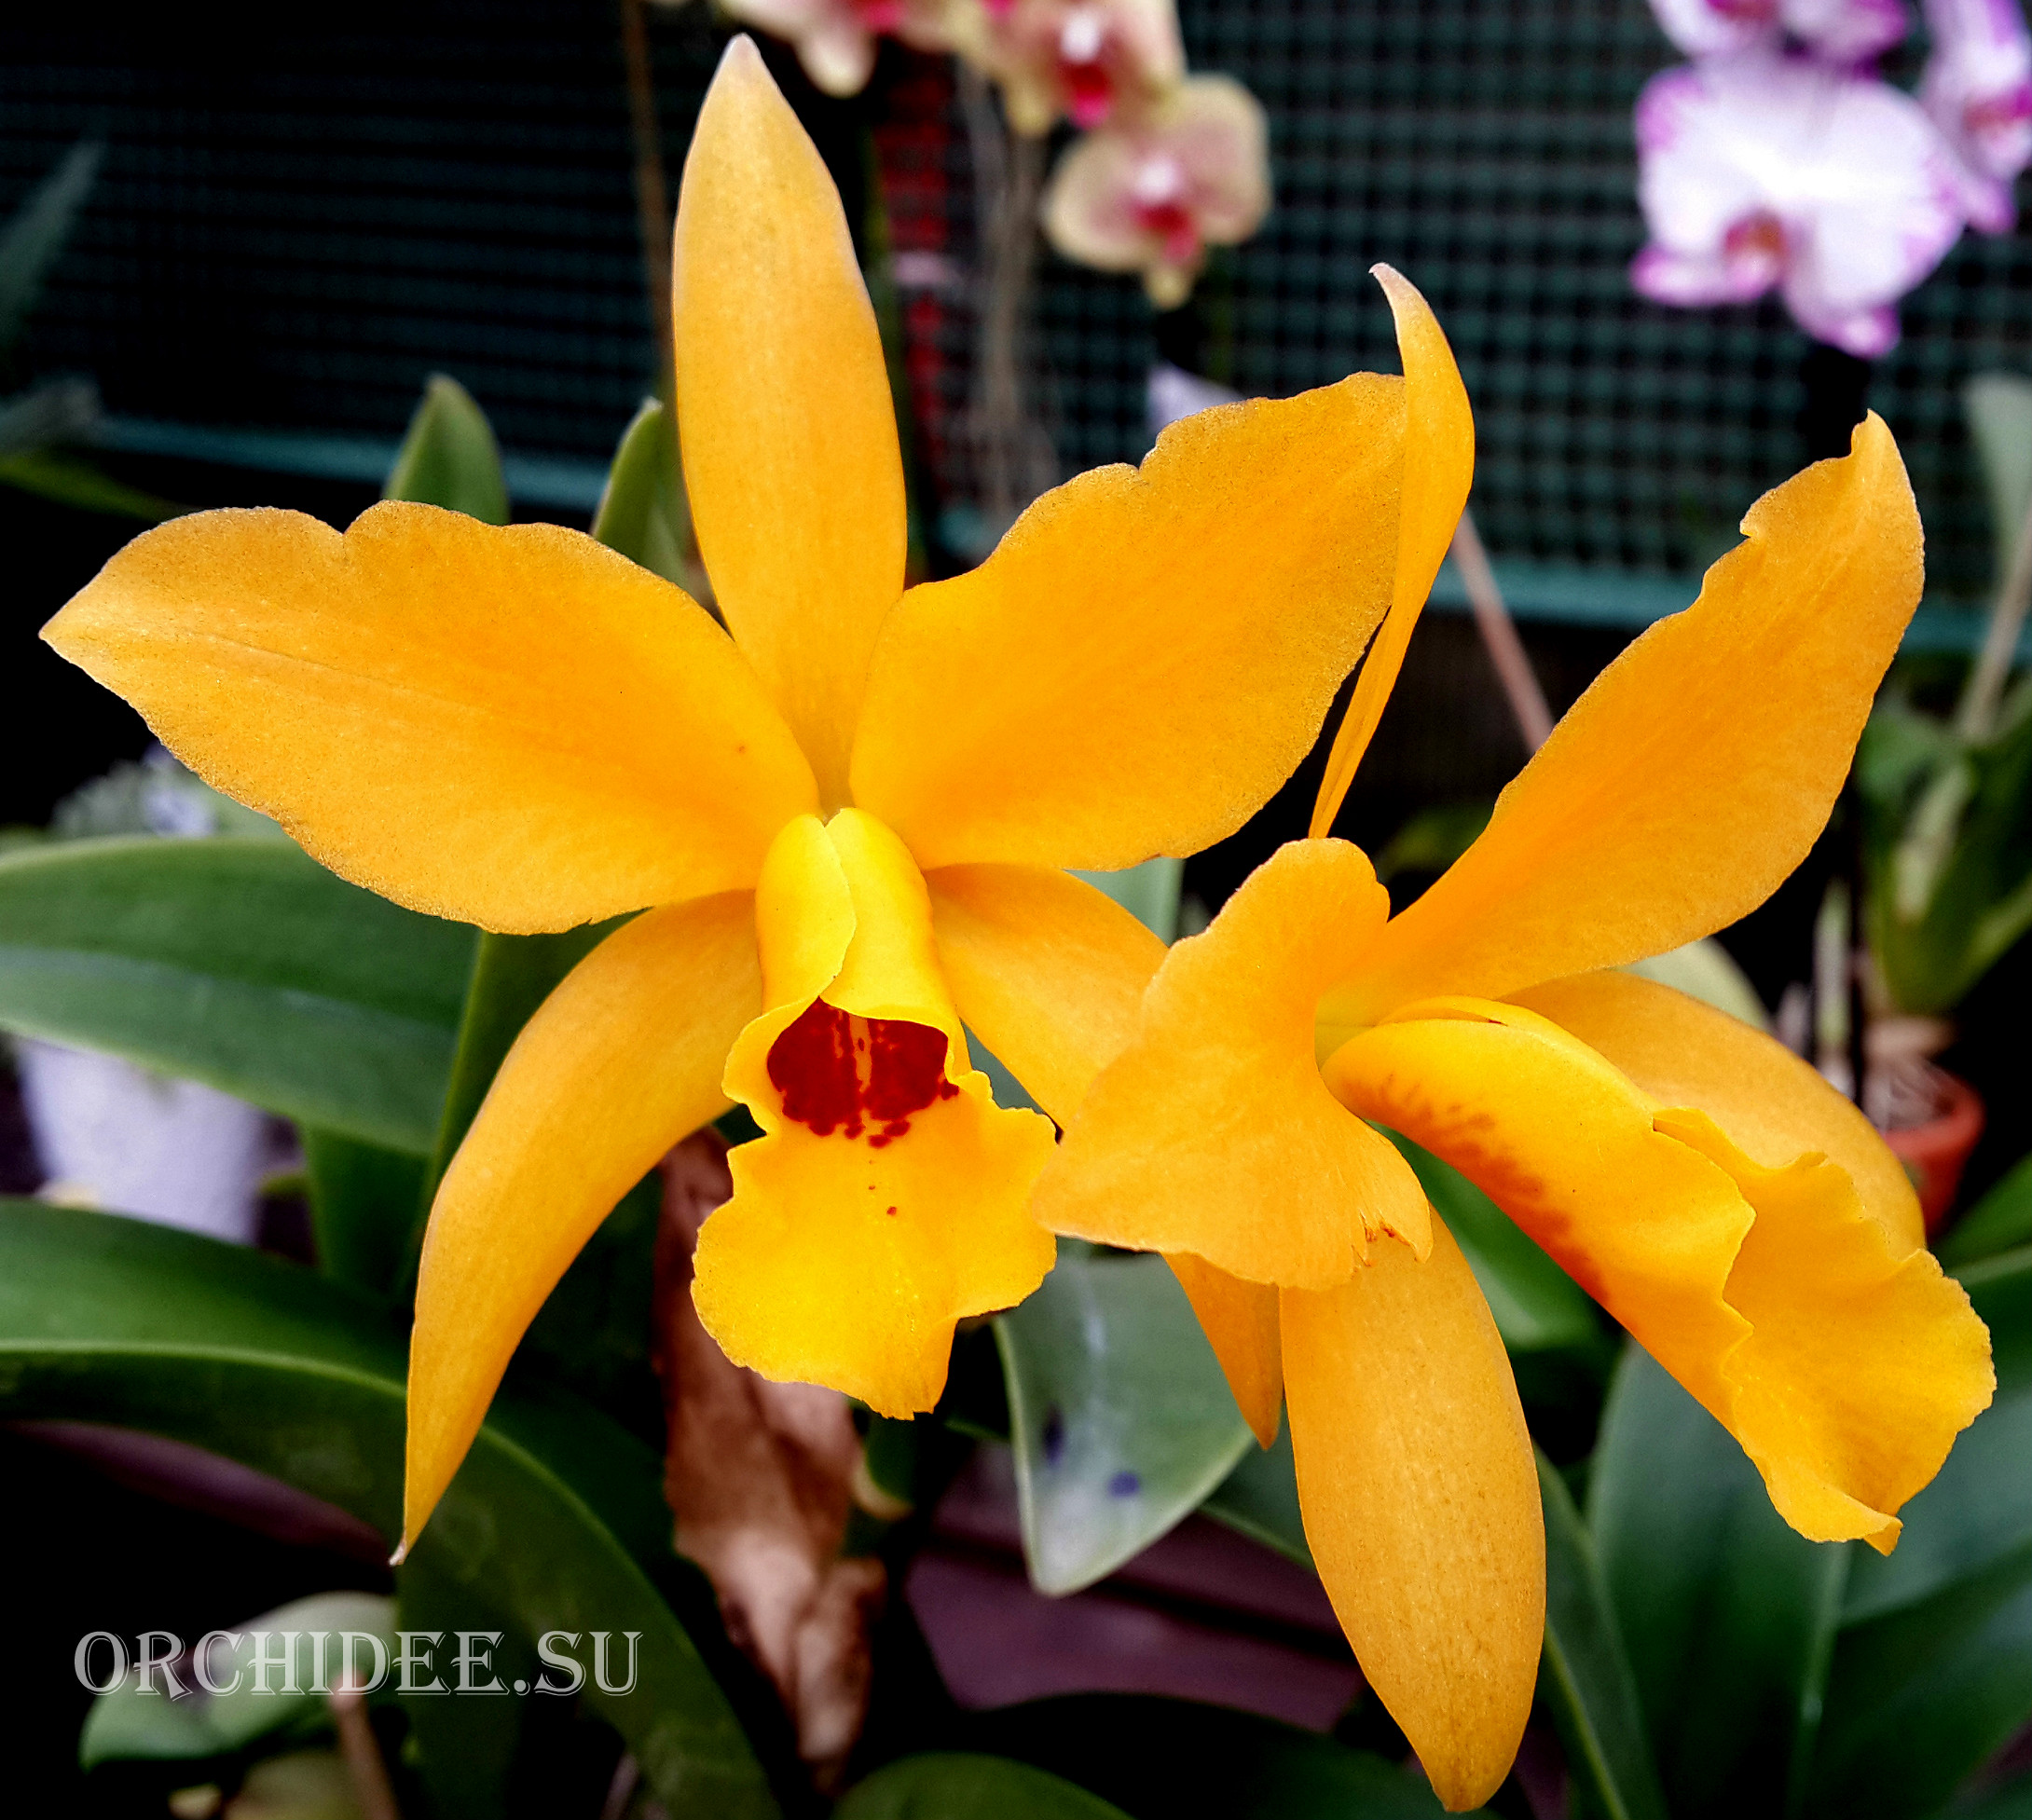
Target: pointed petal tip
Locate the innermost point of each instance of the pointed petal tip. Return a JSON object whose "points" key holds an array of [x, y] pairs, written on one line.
{"points": [[401, 1553]]}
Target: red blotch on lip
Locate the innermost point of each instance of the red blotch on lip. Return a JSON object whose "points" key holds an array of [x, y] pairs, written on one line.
{"points": [[839, 1073]]}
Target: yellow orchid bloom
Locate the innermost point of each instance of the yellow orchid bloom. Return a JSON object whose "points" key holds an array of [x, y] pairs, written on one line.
{"points": [[1726, 1206], [849, 817]]}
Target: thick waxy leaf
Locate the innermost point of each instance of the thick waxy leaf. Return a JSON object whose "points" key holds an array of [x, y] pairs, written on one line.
{"points": [[1158, 1758], [36, 233], [1921, 1697], [555, 1519], [363, 1208], [1933, 1668], [1583, 1675], [301, 1647], [1148, 892], [952, 1786], [511, 976], [1999, 1221], [244, 963], [1261, 1497], [1122, 1420], [450, 456], [643, 513], [1979, 1507], [1728, 1616]]}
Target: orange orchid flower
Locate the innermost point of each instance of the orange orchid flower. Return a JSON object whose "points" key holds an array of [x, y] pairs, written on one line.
{"points": [[848, 813], [1737, 1216]]}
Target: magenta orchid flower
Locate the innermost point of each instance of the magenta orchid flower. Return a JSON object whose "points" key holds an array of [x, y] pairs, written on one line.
{"points": [[1760, 172], [1847, 32], [1152, 194], [1978, 87]]}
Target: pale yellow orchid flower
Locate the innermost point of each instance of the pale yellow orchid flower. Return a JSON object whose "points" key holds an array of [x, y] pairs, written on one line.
{"points": [[1151, 194], [836, 40], [1737, 1216], [850, 816], [1091, 62]]}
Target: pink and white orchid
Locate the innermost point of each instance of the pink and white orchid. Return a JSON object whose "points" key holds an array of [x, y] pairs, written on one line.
{"points": [[835, 40], [1087, 60], [1153, 193], [1847, 32], [1978, 87], [1759, 170]]}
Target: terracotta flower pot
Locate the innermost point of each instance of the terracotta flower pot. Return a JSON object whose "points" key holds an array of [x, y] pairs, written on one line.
{"points": [[1936, 1150]]}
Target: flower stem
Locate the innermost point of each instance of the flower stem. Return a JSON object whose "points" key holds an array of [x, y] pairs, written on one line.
{"points": [[1499, 633]]}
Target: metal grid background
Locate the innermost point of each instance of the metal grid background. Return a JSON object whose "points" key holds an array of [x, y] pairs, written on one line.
{"points": [[294, 227]]}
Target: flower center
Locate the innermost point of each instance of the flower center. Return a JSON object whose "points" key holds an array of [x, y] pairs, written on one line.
{"points": [[1082, 67], [880, 15], [839, 1073], [1757, 242], [1999, 113], [1158, 197], [1751, 12]]}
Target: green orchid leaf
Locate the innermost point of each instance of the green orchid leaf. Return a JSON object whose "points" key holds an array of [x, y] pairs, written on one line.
{"points": [[1728, 1615], [1120, 1418], [1148, 892], [954, 1785], [1583, 1676], [511, 977], [363, 1207], [1921, 1697], [1538, 1307], [1157, 1758], [555, 1519], [76, 481], [1261, 1497], [449, 457], [1937, 1643], [1979, 1507], [241, 963], [38, 231], [643, 513], [268, 1669], [2002, 1220], [2012, 1801]]}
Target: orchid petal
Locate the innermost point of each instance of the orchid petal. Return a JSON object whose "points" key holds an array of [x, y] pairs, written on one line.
{"points": [[1842, 1362], [886, 1197], [1213, 1134], [1422, 1506], [1241, 1322], [784, 410], [1150, 651], [1047, 971], [1694, 773], [622, 1061], [1438, 469], [514, 727]]}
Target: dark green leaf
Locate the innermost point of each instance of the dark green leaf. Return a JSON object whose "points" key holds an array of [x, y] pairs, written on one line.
{"points": [[36, 234], [643, 513], [1999, 1221], [1923, 1696], [557, 1517], [75, 480], [280, 1697], [1584, 1677], [511, 976], [1122, 1420], [244, 963], [1979, 1507], [450, 456], [2012, 1801], [1728, 1615], [363, 1207], [1158, 1758], [1261, 1497], [954, 1787]]}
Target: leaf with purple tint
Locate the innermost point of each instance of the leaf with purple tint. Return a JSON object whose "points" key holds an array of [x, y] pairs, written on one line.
{"points": [[1122, 1420]]}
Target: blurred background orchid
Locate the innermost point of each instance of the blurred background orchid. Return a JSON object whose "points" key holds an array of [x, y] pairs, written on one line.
{"points": [[1779, 158]]}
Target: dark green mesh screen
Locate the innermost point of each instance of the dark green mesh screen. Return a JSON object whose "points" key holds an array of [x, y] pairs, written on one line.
{"points": [[296, 225]]}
